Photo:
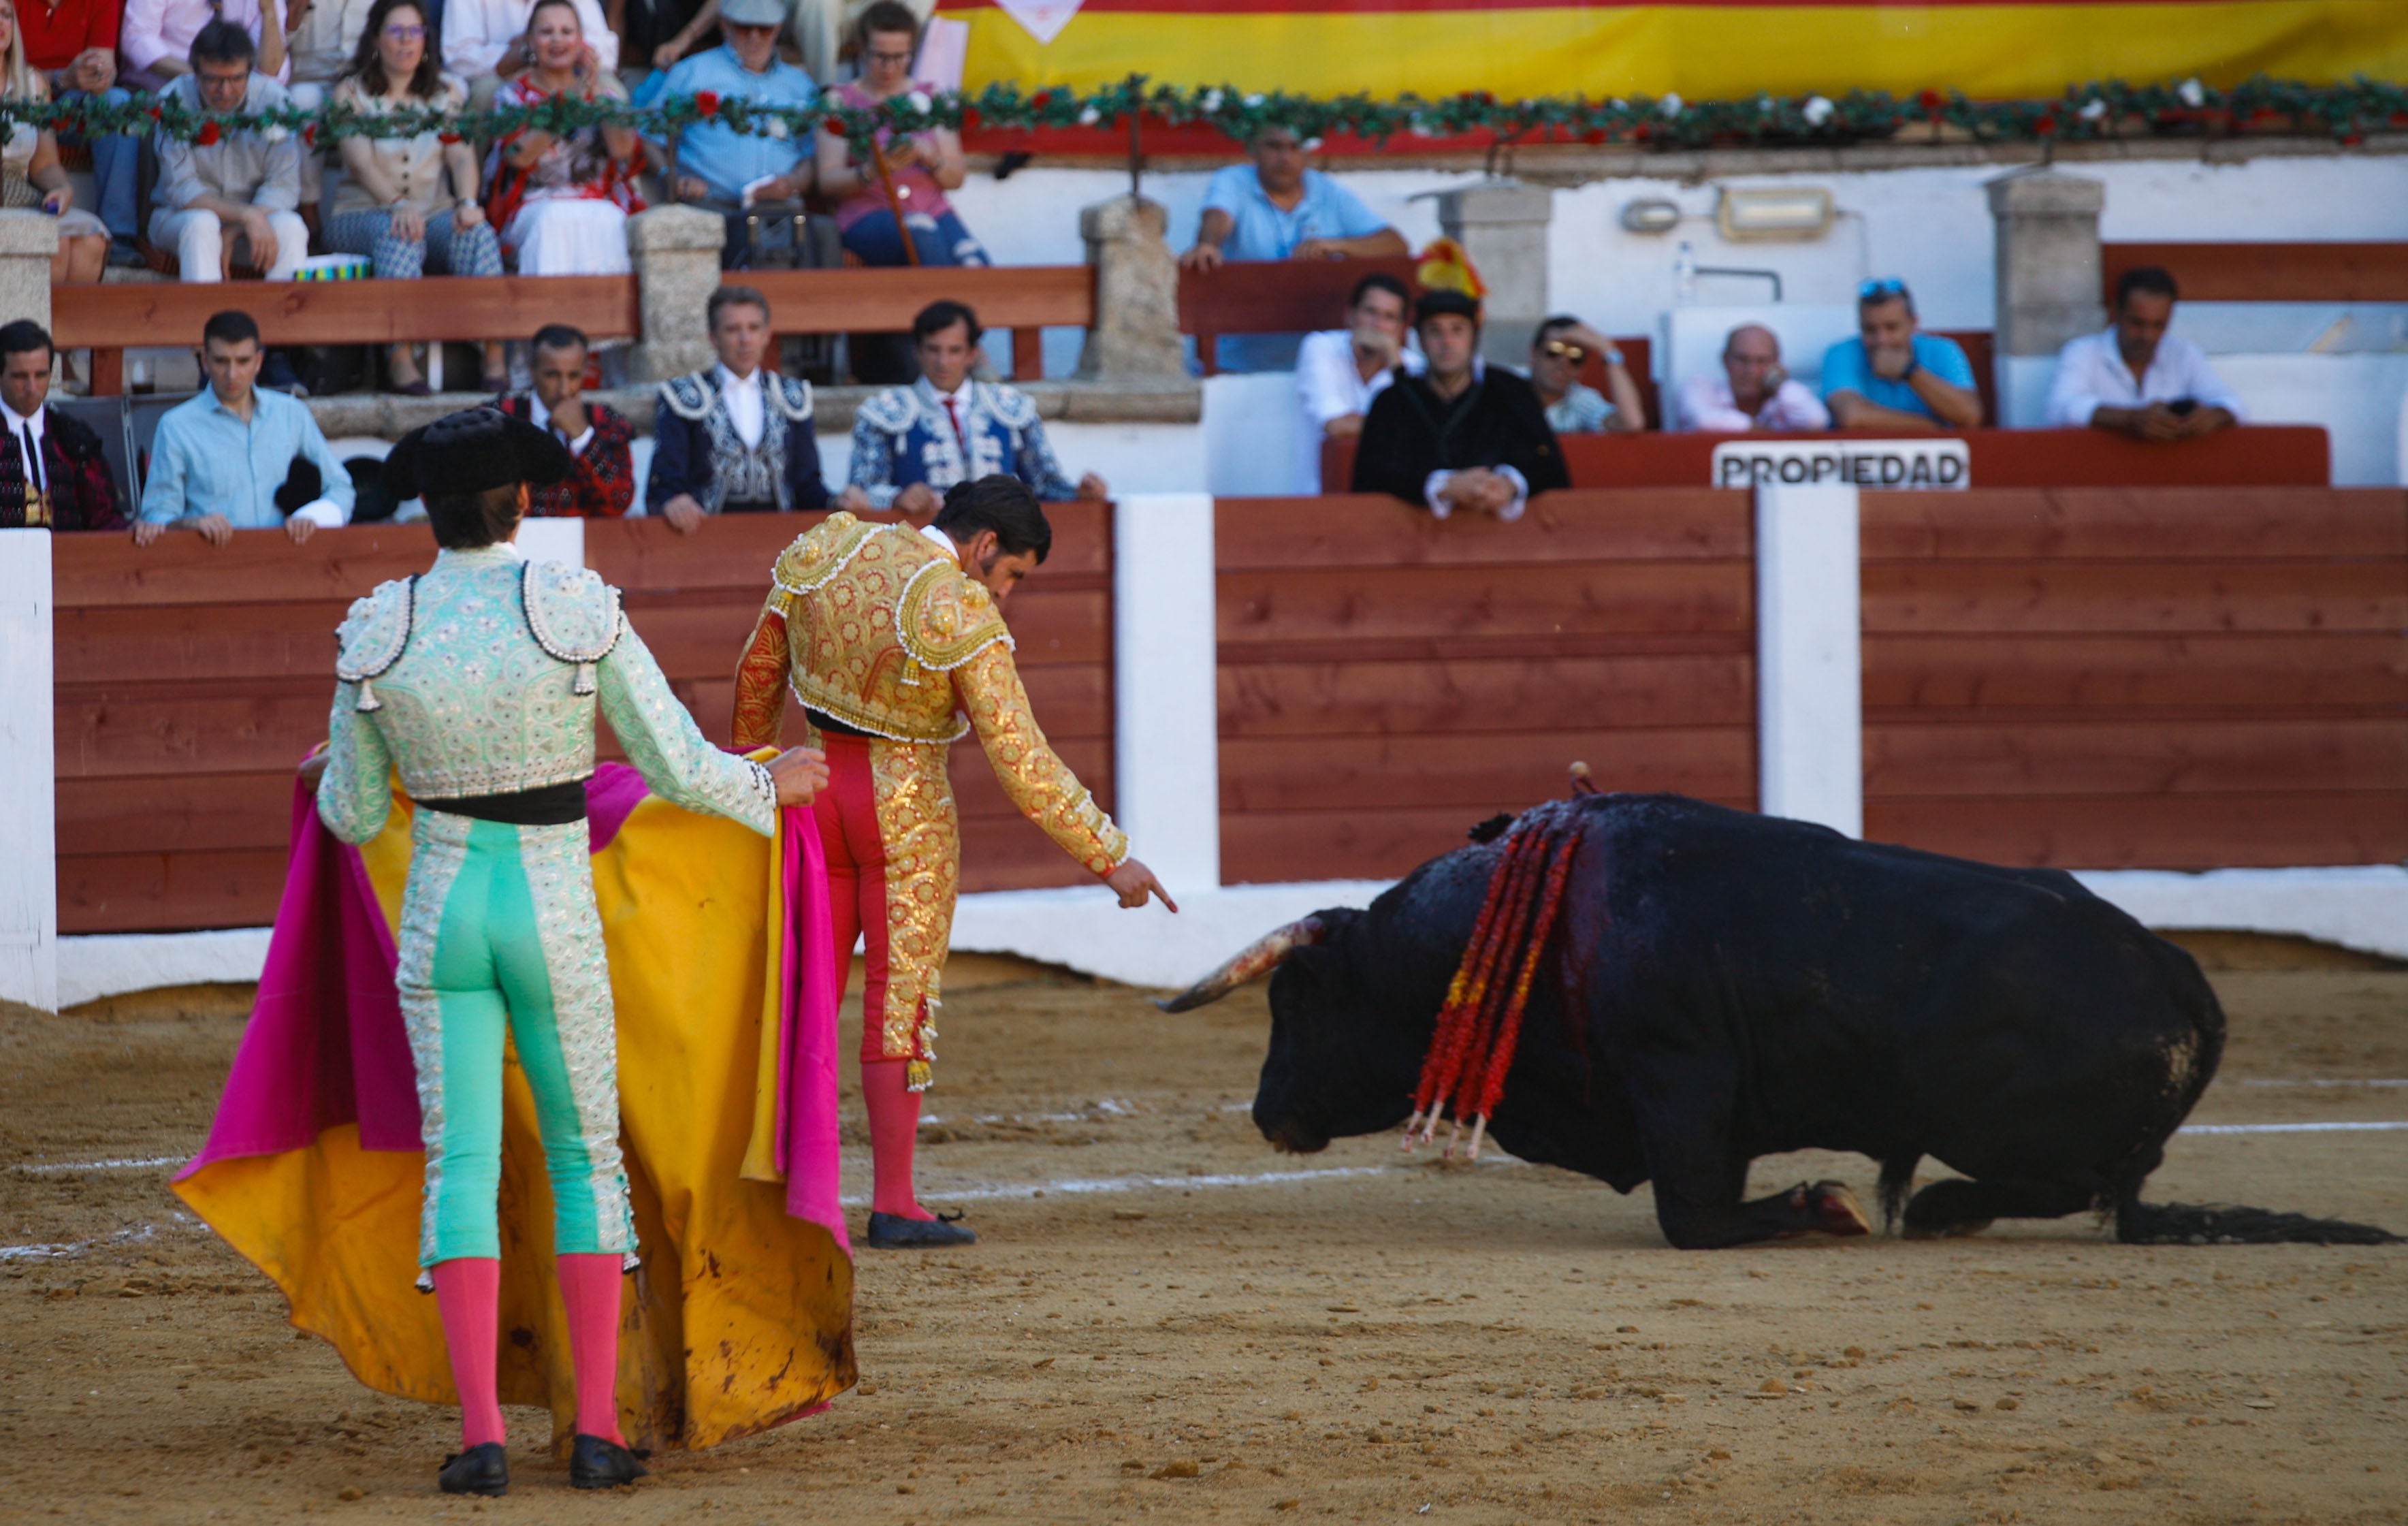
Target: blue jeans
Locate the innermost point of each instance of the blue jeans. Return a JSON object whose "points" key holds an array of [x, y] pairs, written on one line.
{"points": [[941, 240], [114, 161]]}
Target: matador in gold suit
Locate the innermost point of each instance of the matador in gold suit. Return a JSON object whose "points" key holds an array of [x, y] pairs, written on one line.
{"points": [[894, 641]]}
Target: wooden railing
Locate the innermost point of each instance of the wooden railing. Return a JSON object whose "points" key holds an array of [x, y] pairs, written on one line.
{"points": [[1273, 296], [2186, 678], [112, 319], [1025, 299], [1387, 680], [2255, 455], [191, 680], [2271, 272]]}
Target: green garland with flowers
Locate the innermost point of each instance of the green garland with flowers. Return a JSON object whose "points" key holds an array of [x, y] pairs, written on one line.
{"points": [[2086, 113]]}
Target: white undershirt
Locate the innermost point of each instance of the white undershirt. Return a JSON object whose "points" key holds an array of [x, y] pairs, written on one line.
{"points": [[743, 397], [542, 419], [944, 541]]}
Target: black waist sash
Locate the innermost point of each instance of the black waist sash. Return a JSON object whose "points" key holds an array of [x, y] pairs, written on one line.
{"points": [[830, 725], [553, 805]]}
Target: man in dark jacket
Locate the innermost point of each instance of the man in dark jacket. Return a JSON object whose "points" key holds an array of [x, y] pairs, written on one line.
{"points": [[1461, 436], [52, 474], [733, 437], [601, 481]]}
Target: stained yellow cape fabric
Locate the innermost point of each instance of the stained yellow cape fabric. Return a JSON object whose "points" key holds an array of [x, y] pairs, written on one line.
{"points": [[741, 1316]]}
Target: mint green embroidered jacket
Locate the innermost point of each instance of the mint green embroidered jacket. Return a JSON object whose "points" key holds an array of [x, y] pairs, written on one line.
{"points": [[481, 677]]}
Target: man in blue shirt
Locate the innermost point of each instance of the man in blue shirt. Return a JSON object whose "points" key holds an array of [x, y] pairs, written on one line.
{"points": [[1275, 208], [237, 458], [716, 165], [1893, 375]]}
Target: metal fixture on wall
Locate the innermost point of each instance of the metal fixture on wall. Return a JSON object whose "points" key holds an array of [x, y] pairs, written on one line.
{"points": [[1794, 212], [1652, 214]]}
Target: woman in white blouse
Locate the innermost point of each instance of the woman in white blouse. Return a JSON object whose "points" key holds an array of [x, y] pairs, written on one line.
{"points": [[410, 203]]}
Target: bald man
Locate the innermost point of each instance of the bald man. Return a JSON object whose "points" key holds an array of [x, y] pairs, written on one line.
{"points": [[1752, 392]]}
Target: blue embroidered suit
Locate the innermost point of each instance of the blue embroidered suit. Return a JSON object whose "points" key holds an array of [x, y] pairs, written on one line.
{"points": [[696, 449], [902, 435]]}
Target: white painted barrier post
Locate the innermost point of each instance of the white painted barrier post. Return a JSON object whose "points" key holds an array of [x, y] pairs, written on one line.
{"points": [[1166, 704], [1809, 673], [29, 880], [560, 541]]}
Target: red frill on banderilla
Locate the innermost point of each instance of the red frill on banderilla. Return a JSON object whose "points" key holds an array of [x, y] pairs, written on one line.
{"points": [[1480, 1026]]}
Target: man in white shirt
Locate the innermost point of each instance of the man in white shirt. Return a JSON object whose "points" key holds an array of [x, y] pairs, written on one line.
{"points": [[733, 437], [1339, 370], [2136, 379], [1752, 392]]}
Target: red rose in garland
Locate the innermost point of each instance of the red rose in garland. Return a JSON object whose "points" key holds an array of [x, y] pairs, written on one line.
{"points": [[707, 102], [208, 135]]}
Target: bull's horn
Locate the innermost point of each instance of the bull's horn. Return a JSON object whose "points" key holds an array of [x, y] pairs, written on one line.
{"points": [[1255, 960]]}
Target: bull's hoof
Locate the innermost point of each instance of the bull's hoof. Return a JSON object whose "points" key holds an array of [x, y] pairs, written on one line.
{"points": [[1838, 1209]]}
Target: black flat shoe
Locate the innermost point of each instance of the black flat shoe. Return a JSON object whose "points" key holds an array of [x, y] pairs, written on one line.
{"points": [[595, 1462], [892, 1232], [479, 1470]]}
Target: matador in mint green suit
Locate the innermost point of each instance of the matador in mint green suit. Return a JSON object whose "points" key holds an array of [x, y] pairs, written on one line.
{"points": [[479, 681]]}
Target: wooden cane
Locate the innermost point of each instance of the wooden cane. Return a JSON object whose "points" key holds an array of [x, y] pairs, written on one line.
{"points": [[894, 201]]}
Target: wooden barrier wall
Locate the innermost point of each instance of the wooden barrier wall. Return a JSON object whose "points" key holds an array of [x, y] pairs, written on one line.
{"points": [[191, 681], [1388, 680], [2144, 679], [695, 599]]}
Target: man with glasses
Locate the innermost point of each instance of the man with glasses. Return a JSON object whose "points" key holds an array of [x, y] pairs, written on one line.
{"points": [[1752, 392], [243, 185], [1557, 351], [1894, 376], [727, 171]]}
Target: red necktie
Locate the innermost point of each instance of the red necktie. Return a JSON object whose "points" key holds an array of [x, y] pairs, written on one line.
{"points": [[954, 417]]}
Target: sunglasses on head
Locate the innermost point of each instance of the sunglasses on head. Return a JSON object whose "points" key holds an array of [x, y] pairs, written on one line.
{"points": [[1879, 287], [1566, 350]]}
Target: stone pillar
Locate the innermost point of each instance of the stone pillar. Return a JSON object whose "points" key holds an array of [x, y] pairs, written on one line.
{"points": [[675, 250], [27, 242], [1502, 225], [2048, 279], [1137, 291]]}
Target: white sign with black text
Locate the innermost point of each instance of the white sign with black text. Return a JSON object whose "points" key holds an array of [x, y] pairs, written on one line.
{"points": [[1843, 463]]}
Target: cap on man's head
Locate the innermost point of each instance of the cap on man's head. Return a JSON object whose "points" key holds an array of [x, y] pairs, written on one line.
{"points": [[1441, 303], [473, 450], [753, 12]]}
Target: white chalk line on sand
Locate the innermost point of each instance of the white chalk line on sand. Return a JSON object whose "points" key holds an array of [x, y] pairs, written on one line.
{"points": [[145, 1163], [2288, 1128]]}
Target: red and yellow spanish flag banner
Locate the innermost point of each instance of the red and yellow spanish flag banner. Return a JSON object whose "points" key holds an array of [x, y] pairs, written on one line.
{"points": [[1701, 50]]}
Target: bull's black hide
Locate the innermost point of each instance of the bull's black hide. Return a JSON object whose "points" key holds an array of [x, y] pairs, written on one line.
{"points": [[1738, 985]]}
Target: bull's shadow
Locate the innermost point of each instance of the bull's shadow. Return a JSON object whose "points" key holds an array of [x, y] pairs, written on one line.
{"points": [[1722, 985]]}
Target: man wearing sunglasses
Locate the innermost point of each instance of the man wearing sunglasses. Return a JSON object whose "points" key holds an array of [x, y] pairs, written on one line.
{"points": [[1892, 375], [1557, 351]]}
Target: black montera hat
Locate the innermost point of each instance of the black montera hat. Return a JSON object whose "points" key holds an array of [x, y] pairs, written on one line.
{"points": [[473, 450]]}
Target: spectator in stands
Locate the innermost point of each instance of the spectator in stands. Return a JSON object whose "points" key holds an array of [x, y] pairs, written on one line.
{"points": [[733, 438], [910, 444], [31, 175], [1892, 375], [601, 481], [654, 35], [561, 201], [1557, 351], [1339, 370], [411, 202], [242, 189], [236, 456], [488, 42], [1462, 436], [1753, 392], [2135, 378], [920, 167], [158, 37], [52, 471], [1275, 208], [727, 170], [72, 45], [323, 38]]}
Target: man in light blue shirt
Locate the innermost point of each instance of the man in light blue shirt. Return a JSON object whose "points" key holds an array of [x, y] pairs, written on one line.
{"points": [[1893, 375], [223, 460], [1275, 208], [718, 165]]}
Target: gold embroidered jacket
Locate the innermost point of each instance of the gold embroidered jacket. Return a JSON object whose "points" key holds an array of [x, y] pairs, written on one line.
{"points": [[876, 627]]}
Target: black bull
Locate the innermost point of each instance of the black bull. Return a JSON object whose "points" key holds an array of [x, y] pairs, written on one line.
{"points": [[1722, 985]]}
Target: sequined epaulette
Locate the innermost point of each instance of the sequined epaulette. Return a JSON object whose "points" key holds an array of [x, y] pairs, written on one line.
{"points": [[944, 619], [891, 411], [690, 396], [1012, 407], [790, 395], [372, 637], [572, 614], [822, 552]]}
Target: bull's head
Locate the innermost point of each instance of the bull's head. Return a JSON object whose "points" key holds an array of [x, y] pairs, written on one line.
{"points": [[1331, 1071]]}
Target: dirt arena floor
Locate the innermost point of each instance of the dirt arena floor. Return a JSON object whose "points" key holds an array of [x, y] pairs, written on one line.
{"points": [[1164, 1319]]}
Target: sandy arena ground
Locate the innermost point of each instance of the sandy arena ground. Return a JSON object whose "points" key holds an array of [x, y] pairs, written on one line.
{"points": [[1164, 1319]]}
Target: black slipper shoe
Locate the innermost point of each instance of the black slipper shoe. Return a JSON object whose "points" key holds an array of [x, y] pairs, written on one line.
{"points": [[479, 1470], [596, 1462], [892, 1232]]}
